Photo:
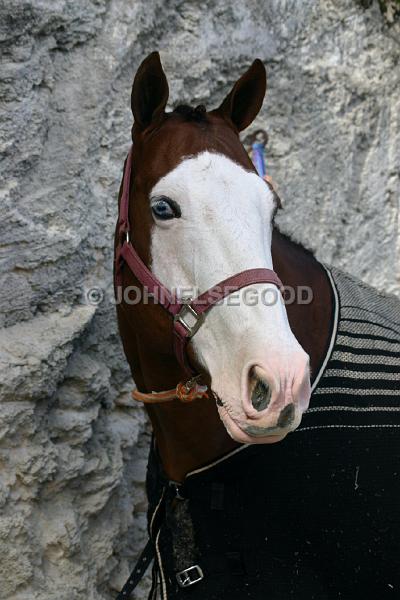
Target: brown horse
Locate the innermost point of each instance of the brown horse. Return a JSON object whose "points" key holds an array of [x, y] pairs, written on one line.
{"points": [[197, 214], [161, 141]]}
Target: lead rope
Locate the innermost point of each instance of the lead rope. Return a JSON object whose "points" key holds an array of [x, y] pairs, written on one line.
{"points": [[184, 391]]}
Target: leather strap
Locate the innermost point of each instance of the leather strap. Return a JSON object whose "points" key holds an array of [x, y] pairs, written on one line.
{"points": [[123, 221], [140, 569], [149, 551], [153, 286], [233, 284], [208, 299], [183, 331]]}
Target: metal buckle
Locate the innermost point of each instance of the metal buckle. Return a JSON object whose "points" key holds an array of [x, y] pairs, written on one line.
{"points": [[189, 576], [188, 309]]}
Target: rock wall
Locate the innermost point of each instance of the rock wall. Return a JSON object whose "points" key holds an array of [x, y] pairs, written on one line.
{"points": [[72, 446]]}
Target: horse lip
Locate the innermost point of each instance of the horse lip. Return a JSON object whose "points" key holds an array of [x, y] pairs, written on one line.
{"points": [[255, 431], [285, 422], [251, 430]]}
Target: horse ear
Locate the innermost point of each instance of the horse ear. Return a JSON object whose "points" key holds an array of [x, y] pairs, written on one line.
{"points": [[149, 91], [244, 101]]}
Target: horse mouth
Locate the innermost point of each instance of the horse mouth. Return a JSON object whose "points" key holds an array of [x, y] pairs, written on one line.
{"points": [[250, 434], [257, 432]]}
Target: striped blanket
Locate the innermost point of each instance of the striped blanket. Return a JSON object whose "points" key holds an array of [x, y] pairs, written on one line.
{"points": [[359, 383], [315, 516]]}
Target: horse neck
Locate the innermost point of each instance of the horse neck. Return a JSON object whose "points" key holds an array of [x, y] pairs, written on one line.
{"points": [[191, 435]]}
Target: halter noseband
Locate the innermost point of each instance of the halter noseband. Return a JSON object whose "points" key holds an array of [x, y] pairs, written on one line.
{"points": [[180, 310]]}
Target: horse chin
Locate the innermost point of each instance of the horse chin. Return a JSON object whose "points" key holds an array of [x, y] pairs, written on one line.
{"points": [[242, 437]]}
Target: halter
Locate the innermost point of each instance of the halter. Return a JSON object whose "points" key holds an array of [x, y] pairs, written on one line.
{"points": [[187, 315]]}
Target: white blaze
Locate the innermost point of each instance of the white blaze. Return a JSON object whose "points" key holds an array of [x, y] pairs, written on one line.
{"points": [[226, 228]]}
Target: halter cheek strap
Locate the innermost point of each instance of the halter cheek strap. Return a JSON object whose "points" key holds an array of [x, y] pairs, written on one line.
{"points": [[187, 315]]}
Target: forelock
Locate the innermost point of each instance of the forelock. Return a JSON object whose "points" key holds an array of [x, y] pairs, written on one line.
{"points": [[197, 114]]}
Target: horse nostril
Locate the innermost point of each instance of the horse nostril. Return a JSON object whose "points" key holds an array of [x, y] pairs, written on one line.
{"points": [[286, 416], [260, 395]]}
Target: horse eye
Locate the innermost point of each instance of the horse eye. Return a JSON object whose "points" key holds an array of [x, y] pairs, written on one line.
{"points": [[164, 208]]}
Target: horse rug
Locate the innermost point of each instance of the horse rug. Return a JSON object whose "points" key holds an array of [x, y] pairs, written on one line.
{"points": [[315, 515]]}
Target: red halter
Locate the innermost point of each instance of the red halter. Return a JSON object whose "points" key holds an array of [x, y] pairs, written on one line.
{"points": [[179, 310]]}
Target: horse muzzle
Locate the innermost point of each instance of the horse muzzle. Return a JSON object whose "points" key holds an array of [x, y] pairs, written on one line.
{"points": [[272, 404]]}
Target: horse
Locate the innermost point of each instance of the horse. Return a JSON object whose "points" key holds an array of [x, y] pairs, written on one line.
{"points": [[274, 468]]}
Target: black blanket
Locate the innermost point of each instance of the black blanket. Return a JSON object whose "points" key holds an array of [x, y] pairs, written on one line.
{"points": [[316, 515]]}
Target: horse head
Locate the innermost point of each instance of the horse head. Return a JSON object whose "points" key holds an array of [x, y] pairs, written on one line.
{"points": [[199, 214]]}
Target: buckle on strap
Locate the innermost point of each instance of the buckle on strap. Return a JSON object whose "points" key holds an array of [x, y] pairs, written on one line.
{"points": [[189, 576], [188, 311]]}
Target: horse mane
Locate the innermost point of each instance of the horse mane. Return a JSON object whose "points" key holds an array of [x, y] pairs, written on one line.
{"points": [[197, 114], [299, 245]]}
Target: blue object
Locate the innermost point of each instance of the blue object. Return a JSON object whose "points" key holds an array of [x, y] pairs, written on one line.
{"points": [[259, 158]]}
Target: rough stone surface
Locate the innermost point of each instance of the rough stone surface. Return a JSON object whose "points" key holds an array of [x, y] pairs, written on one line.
{"points": [[72, 447]]}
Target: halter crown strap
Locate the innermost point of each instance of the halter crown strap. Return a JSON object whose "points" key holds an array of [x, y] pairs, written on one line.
{"points": [[188, 315]]}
